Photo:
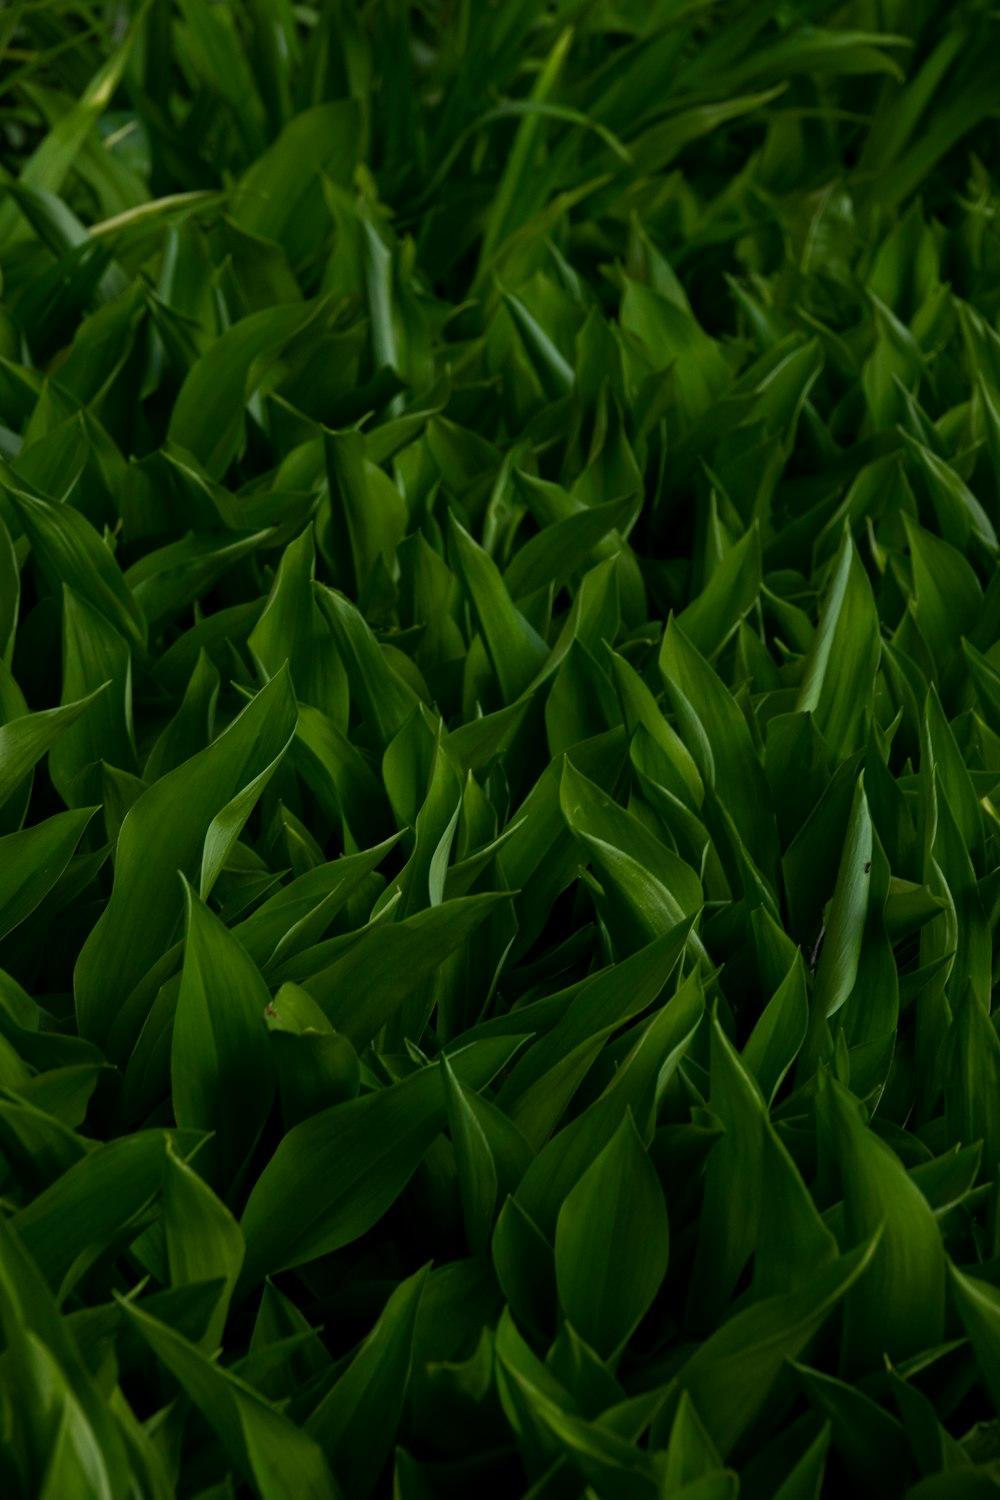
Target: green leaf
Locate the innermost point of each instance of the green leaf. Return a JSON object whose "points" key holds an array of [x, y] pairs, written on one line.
{"points": [[32, 861], [477, 1173], [190, 817], [792, 1238], [297, 914], [972, 1074], [207, 418], [987, 684], [278, 194], [368, 513], [727, 1230], [339, 774], [361, 986], [731, 1376], [33, 1325], [71, 553], [845, 925], [672, 335], [524, 1261], [796, 763], [538, 1088], [53, 158], [275, 1456], [602, 1457], [718, 738], [10, 592], [729, 594], [75, 1468], [386, 701], [839, 674], [870, 1442], [316, 1066], [564, 545], [507, 209], [960, 516], [612, 1243], [639, 1084], [780, 1031], [554, 372], [978, 1306], [947, 594], [805, 1482], [811, 864], [94, 654], [355, 1424], [543, 857], [971, 1484], [215, 53], [25, 739], [169, 579], [898, 1308], [641, 710], [656, 147], [336, 1174], [648, 889], [97, 1202], [203, 1240], [293, 629], [221, 1069], [517, 652], [192, 727], [691, 1454]]}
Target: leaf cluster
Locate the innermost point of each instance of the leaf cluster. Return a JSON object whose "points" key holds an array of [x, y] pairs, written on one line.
{"points": [[499, 750]]}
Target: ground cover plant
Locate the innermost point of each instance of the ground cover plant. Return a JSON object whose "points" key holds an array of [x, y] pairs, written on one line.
{"points": [[499, 749]]}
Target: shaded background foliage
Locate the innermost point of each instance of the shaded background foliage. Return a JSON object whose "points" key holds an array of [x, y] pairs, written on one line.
{"points": [[499, 739]]}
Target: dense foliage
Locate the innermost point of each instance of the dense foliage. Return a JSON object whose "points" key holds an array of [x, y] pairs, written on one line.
{"points": [[499, 749]]}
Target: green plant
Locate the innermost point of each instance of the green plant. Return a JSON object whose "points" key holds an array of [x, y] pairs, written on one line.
{"points": [[499, 749]]}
